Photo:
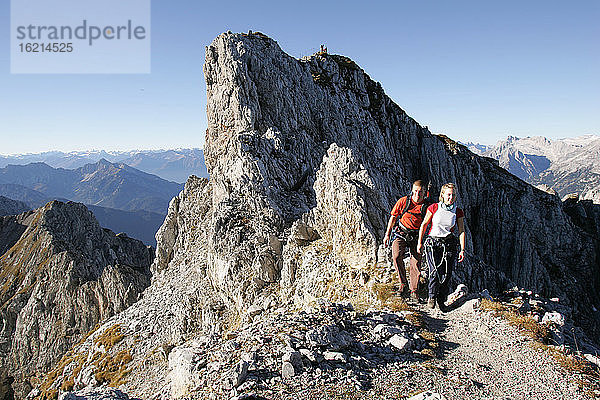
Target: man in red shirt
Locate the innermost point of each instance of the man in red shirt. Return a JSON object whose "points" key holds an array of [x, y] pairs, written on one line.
{"points": [[402, 231]]}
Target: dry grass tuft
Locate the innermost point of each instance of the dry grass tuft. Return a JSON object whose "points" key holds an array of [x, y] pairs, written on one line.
{"points": [[541, 334], [417, 318], [429, 352], [571, 363], [489, 305], [528, 326], [47, 389], [387, 298], [397, 304], [427, 335], [112, 369], [524, 323], [433, 367], [433, 349], [233, 322], [383, 291], [589, 374], [360, 305], [110, 337]]}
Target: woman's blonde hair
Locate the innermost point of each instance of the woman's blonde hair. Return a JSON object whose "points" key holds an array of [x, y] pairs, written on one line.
{"points": [[446, 186]]}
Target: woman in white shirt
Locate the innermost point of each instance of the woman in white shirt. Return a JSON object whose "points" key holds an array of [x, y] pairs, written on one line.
{"points": [[441, 245]]}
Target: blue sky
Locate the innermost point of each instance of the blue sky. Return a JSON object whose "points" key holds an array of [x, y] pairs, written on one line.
{"points": [[473, 70]]}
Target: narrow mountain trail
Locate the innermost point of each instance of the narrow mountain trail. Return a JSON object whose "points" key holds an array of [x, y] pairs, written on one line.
{"points": [[477, 355], [480, 356]]}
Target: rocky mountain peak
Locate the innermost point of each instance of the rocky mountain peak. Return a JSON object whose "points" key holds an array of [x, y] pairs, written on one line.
{"points": [[317, 142], [101, 165], [60, 274]]}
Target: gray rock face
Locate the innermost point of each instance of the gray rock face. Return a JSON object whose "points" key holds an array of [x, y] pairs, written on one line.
{"points": [[59, 277], [316, 140], [328, 336], [95, 394], [400, 342], [584, 213], [11, 207], [11, 229]]}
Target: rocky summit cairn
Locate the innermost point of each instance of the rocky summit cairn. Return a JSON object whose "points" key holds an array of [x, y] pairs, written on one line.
{"points": [[60, 274], [306, 158]]}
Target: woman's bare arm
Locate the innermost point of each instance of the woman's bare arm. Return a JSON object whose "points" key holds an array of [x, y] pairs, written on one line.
{"points": [[461, 237], [426, 221]]}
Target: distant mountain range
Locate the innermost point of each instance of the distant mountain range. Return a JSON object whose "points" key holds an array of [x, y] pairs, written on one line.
{"points": [[102, 184], [477, 148], [566, 165], [122, 198], [173, 165]]}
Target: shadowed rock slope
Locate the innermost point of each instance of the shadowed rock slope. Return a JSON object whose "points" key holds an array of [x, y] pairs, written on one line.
{"points": [[11, 207], [306, 159], [60, 274]]}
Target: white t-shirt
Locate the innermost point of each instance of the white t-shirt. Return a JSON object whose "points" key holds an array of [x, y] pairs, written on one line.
{"points": [[443, 221]]}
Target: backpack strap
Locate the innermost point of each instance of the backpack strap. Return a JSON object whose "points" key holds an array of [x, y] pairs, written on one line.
{"points": [[426, 203], [405, 210], [406, 205]]}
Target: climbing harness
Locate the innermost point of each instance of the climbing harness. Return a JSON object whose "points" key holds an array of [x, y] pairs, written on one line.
{"points": [[409, 235], [448, 245]]}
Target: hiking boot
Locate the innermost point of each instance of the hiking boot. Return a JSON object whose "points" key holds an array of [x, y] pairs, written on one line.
{"points": [[414, 296], [431, 303], [442, 305], [406, 291], [403, 290]]}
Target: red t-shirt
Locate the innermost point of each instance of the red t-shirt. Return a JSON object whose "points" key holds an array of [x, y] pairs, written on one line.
{"points": [[412, 218]]}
